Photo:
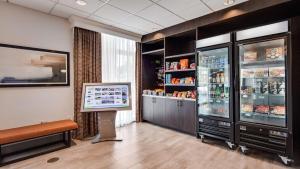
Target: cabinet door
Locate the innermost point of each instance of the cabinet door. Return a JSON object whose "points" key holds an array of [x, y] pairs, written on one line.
{"points": [[148, 109], [188, 114], [159, 111], [172, 113]]}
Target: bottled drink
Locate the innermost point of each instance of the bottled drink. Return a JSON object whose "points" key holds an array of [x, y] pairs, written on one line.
{"points": [[217, 92]]}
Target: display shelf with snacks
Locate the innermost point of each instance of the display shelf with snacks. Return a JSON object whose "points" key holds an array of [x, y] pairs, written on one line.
{"points": [[168, 81], [262, 82], [213, 82], [180, 70], [154, 52], [184, 55]]}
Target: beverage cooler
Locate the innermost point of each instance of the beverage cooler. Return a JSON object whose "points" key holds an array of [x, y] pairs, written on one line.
{"points": [[214, 89], [263, 110]]}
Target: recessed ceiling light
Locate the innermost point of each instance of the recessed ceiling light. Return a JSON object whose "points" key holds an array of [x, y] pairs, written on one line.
{"points": [[81, 2], [228, 2]]}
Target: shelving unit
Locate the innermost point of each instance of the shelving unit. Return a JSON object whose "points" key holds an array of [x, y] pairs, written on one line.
{"points": [[172, 112]]}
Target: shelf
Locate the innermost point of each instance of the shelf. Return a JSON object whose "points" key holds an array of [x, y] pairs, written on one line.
{"points": [[180, 55], [264, 95], [154, 52], [183, 70], [267, 115], [262, 77], [168, 97], [181, 85], [263, 63]]}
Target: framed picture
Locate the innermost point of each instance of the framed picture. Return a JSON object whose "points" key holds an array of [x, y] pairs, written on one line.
{"points": [[25, 66]]}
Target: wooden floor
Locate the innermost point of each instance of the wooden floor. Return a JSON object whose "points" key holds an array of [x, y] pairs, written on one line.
{"points": [[148, 146]]}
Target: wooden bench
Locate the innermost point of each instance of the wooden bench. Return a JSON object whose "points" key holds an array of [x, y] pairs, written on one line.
{"points": [[24, 142]]}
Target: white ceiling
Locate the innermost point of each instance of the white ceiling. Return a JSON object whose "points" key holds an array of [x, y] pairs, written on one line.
{"points": [[138, 16]]}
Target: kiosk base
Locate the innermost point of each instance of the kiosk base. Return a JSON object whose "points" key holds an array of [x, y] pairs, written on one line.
{"points": [[107, 129]]}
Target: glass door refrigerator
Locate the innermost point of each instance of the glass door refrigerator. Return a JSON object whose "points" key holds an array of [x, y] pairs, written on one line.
{"points": [[214, 89], [263, 117]]}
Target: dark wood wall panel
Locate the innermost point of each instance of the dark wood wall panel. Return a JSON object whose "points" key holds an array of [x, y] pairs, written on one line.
{"points": [[236, 17], [295, 29]]}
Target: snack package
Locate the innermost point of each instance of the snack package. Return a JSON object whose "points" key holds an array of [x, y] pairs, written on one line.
{"points": [[189, 80], [275, 53], [247, 73], [193, 66], [174, 66], [277, 72], [247, 108], [261, 72], [167, 65], [250, 56], [184, 63], [277, 110], [262, 109], [175, 93]]}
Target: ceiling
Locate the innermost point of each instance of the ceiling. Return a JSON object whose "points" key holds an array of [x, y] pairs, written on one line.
{"points": [[138, 16]]}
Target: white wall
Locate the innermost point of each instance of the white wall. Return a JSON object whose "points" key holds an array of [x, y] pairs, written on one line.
{"points": [[31, 105]]}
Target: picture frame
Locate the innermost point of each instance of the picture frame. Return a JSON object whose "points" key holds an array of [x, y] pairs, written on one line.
{"points": [[22, 66]]}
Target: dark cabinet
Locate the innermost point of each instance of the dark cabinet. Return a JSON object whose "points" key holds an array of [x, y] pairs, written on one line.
{"points": [[172, 113], [188, 114], [148, 109], [159, 111]]}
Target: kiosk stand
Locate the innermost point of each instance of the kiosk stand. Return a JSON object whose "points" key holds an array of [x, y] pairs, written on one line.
{"points": [[106, 127], [106, 99]]}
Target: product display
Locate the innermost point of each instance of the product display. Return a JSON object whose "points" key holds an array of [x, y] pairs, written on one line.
{"points": [[262, 84], [250, 56], [261, 109], [213, 83], [277, 110], [183, 64], [178, 81], [183, 94], [261, 72], [275, 53], [277, 72], [247, 108], [155, 92]]}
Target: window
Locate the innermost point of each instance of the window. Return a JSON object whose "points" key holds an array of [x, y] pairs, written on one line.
{"points": [[118, 65]]}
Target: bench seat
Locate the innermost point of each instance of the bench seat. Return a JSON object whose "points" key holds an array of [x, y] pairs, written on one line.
{"points": [[24, 142], [33, 131]]}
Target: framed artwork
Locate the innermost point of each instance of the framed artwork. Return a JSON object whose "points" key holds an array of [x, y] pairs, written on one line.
{"points": [[25, 67]]}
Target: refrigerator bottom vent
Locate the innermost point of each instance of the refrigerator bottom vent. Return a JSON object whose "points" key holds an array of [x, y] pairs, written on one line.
{"points": [[262, 139], [213, 128]]}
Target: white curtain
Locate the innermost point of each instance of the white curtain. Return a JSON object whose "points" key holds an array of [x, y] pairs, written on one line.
{"points": [[118, 65]]}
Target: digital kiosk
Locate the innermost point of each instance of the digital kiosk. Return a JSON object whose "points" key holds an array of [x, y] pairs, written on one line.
{"points": [[106, 99]]}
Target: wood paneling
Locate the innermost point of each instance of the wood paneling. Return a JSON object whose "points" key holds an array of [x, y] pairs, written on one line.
{"points": [[236, 17]]}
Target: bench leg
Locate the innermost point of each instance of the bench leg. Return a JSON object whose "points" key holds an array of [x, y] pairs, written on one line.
{"points": [[68, 138], [1, 155]]}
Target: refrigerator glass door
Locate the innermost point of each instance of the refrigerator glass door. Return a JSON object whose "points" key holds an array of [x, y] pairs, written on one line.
{"points": [[263, 82], [213, 82]]}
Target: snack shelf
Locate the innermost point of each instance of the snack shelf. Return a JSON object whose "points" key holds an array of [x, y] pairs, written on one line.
{"points": [[168, 97], [270, 77], [265, 115], [154, 52], [181, 85], [265, 95], [263, 63], [180, 70], [180, 55]]}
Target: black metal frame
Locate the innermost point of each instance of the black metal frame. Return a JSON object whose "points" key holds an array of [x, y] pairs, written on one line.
{"points": [[41, 50], [231, 98], [288, 102], [66, 143]]}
